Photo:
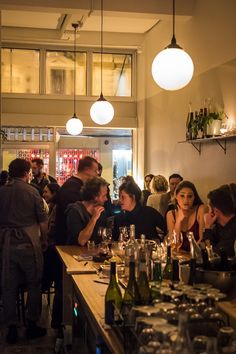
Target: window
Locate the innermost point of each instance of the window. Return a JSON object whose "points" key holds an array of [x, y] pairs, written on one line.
{"points": [[60, 73], [116, 72], [20, 71]]}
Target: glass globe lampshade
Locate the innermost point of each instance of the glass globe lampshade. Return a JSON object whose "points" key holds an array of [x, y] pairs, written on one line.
{"points": [[74, 126], [172, 68], [102, 111]]}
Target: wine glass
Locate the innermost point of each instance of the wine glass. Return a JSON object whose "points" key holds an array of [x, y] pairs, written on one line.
{"points": [[178, 240]]}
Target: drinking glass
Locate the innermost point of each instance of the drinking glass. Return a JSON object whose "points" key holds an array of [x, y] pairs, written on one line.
{"points": [[178, 240], [91, 246], [124, 232]]}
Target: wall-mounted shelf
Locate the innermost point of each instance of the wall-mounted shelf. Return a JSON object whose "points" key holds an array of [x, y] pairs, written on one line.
{"points": [[220, 140]]}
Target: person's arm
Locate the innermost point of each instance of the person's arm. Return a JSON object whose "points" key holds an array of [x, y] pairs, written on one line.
{"points": [[86, 233], [200, 218], [44, 230]]}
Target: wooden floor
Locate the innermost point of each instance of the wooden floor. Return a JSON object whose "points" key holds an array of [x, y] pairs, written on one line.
{"points": [[43, 345]]}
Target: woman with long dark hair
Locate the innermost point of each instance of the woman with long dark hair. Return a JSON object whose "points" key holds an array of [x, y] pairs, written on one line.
{"points": [[188, 214]]}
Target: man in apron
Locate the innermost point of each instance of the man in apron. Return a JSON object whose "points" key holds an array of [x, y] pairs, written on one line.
{"points": [[23, 230]]}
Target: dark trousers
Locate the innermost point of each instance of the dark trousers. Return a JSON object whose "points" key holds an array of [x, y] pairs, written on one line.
{"points": [[22, 269]]}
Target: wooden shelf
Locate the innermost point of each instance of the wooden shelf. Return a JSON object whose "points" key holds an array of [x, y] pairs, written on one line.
{"points": [[220, 140]]}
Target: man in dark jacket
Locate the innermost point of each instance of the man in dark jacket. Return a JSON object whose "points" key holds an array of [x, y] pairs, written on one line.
{"points": [[40, 178], [70, 192], [23, 232], [220, 221]]}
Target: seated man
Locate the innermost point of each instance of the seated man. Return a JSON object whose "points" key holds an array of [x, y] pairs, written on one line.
{"points": [[220, 221], [84, 217]]}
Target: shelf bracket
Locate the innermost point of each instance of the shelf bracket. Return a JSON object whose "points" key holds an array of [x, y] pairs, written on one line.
{"points": [[222, 144], [197, 146]]}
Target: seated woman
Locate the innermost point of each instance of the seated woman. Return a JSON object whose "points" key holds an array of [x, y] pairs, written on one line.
{"points": [[84, 217], [159, 186], [188, 215], [147, 220]]}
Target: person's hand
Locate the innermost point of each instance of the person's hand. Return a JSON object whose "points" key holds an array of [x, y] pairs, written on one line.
{"points": [[97, 212], [180, 215], [209, 219]]}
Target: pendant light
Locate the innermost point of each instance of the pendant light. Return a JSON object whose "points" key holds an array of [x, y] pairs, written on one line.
{"points": [[102, 111], [74, 126], [172, 68]]}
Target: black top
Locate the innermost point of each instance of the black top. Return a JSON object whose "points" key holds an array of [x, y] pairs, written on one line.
{"points": [[40, 184], [146, 220], [77, 218], [222, 237], [68, 193]]}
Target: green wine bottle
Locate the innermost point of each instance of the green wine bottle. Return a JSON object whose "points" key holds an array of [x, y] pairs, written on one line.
{"points": [[113, 298], [131, 295], [168, 270], [143, 285]]}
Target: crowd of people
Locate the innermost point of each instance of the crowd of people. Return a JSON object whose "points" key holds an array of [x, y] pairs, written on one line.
{"points": [[38, 214]]}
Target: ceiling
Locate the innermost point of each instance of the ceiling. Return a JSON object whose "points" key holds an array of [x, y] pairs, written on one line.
{"points": [[50, 20]]}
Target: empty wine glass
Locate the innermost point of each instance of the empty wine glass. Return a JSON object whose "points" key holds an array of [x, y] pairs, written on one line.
{"points": [[178, 240]]}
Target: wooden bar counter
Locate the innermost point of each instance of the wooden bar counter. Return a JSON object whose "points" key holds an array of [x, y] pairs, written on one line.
{"points": [[81, 292]]}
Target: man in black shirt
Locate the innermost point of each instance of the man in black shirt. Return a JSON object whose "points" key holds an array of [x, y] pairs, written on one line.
{"points": [[40, 178], [220, 221], [70, 192]]}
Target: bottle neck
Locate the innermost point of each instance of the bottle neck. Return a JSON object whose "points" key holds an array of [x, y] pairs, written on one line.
{"points": [[168, 257], [113, 271], [131, 270]]}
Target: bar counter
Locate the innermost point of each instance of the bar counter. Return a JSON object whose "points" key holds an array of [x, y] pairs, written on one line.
{"points": [[78, 285]]}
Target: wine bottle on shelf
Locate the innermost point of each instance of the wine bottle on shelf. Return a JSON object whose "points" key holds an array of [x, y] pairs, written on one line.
{"points": [[143, 285], [168, 270], [131, 295], [113, 298], [189, 123]]}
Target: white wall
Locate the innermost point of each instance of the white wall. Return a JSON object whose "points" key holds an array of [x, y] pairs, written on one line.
{"points": [[209, 38]]}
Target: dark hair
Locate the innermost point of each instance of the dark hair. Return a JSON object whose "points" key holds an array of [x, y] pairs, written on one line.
{"points": [[54, 188], [176, 175], [91, 188], [100, 166], [190, 185], [132, 189], [18, 168], [86, 162], [149, 175], [3, 177], [38, 161], [224, 198]]}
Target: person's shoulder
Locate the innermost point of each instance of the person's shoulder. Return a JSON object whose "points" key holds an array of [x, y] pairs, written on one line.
{"points": [[202, 209], [52, 179]]}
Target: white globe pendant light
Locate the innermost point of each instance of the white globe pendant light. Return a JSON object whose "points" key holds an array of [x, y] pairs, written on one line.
{"points": [[172, 68], [74, 125], [102, 111]]}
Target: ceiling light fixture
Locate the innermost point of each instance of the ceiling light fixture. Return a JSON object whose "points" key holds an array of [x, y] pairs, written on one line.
{"points": [[172, 68], [102, 111], [74, 125]]}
